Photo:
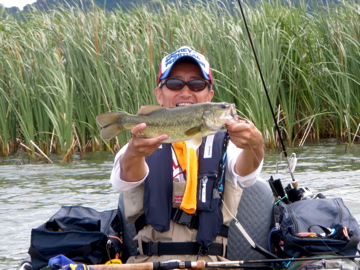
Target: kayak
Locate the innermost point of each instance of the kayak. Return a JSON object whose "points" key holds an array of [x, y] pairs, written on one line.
{"points": [[328, 262], [256, 216], [309, 263]]}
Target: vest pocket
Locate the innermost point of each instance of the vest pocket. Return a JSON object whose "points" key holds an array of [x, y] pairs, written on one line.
{"points": [[207, 195]]}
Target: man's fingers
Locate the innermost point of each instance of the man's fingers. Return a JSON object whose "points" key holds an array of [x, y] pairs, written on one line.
{"points": [[136, 131]]}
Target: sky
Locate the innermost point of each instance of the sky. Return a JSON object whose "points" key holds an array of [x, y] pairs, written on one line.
{"points": [[16, 3]]}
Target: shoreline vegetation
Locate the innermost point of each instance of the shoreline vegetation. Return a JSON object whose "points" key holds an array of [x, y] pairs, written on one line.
{"points": [[60, 69]]}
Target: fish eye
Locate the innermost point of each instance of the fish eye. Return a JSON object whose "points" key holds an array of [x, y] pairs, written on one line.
{"points": [[223, 106]]}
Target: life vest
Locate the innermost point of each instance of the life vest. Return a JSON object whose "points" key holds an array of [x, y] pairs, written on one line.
{"points": [[158, 186]]}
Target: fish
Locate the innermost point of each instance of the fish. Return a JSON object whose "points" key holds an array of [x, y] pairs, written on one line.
{"points": [[181, 123]]}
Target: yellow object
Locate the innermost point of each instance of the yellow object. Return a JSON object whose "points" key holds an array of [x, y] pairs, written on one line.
{"points": [[77, 267], [187, 157], [114, 261]]}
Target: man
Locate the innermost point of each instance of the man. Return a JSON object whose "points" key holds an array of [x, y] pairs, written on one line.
{"points": [[152, 178]]}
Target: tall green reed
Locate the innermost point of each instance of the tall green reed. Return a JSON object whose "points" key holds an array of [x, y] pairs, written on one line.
{"points": [[61, 69]]}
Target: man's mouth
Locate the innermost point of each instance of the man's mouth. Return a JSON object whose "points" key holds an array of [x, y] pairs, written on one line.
{"points": [[183, 104]]}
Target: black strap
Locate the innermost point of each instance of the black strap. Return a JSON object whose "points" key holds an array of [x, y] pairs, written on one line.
{"points": [[177, 215], [182, 218], [181, 248], [140, 223], [80, 251], [34, 253], [351, 244]]}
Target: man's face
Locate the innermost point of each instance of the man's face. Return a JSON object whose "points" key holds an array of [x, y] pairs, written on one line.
{"points": [[187, 72]]}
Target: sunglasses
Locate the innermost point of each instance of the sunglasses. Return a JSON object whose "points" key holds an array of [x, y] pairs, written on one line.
{"points": [[177, 84]]}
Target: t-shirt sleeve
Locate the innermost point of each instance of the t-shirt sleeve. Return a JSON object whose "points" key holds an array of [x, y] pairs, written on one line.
{"points": [[115, 179], [231, 175]]}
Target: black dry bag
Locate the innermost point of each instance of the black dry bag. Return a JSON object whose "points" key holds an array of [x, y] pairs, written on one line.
{"points": [[315, 227], [80, 233]]}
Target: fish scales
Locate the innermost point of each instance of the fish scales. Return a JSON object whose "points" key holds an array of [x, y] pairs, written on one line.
{"points": [[172, 122], [179, 123]]}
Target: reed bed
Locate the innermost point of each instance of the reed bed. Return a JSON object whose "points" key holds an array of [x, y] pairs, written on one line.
{"points": [[60, 69]]}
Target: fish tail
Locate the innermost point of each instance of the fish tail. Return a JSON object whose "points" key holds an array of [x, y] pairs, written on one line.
{"points": [[110, 124]]}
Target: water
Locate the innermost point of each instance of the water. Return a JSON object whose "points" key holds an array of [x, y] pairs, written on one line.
{"points": [[31, 193]]}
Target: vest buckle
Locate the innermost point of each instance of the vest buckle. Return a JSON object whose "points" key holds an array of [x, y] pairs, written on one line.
{"points": [[203, 250], [151, 248], [183, 218]]}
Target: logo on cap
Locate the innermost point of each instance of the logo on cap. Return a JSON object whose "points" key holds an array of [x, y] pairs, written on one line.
{"points": [[169, 60]]}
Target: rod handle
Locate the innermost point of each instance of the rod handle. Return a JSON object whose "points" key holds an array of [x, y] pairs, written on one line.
{"points": [[294, 183], [142, 266], [200, 264]]}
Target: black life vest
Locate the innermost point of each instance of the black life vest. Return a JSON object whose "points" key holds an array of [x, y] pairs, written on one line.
{"points": [[159, 188]]}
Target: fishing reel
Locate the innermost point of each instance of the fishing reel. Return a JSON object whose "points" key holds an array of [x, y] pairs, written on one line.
{"points": [[292, 192], [295, 193], [306, 194]]}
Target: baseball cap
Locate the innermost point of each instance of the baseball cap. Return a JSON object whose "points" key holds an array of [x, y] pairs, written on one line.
{"points": [[184, 52]]}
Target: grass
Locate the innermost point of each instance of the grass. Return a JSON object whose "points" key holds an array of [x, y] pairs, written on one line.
{"points": [[59, 70]]}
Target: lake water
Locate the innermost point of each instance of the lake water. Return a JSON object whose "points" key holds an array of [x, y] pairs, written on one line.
{"points": [[31, 193]]}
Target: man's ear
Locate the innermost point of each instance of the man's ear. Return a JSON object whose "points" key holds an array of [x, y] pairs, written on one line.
{"points": [[210, 95], [158, 95]]}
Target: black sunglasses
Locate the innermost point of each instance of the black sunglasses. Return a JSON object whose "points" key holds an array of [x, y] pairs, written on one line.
{"points": [[177, 84]]}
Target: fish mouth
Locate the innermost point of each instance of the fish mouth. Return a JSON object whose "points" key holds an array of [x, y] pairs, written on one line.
{"points": [[233, 111], [233, 115]]}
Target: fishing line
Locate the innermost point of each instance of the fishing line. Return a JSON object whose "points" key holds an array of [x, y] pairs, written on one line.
{"points": [[266, 91]]}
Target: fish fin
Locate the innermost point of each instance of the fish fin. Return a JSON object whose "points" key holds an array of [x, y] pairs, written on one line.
{"points": [[110, 131], [106, 119], [194, 143], [208, 119], [193, 131], [148, 109], [110, 125]]}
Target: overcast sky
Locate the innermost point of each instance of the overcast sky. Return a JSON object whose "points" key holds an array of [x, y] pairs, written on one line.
{"points": [[16, 3]]}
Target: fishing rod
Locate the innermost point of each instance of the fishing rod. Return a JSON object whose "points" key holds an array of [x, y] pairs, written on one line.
{"points": [[175, 264], [290, 166]]}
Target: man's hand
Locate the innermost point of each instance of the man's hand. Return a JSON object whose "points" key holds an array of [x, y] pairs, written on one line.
{"points": [[132, 162], [143, 147], [246, 136]]}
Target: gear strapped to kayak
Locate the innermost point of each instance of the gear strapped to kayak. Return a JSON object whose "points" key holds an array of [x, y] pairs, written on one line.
{"points": [[80, 233], [311, 225]]}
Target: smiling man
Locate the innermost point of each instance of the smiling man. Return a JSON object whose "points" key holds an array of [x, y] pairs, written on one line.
{"points": [[156, 180]]}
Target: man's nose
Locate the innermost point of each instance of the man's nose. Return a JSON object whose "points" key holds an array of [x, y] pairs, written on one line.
{"points": [[185, 91]]}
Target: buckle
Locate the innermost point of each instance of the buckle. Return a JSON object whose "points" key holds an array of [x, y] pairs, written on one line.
{"points": [[182, 218], [154, 248], [150, 248], [181, 248], [203, 251]]}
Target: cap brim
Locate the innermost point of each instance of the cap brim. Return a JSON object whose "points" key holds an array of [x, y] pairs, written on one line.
{"points": [[183, 59]]}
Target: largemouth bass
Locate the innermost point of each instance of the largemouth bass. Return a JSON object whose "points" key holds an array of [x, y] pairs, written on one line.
{"points": [[179, 123]]}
